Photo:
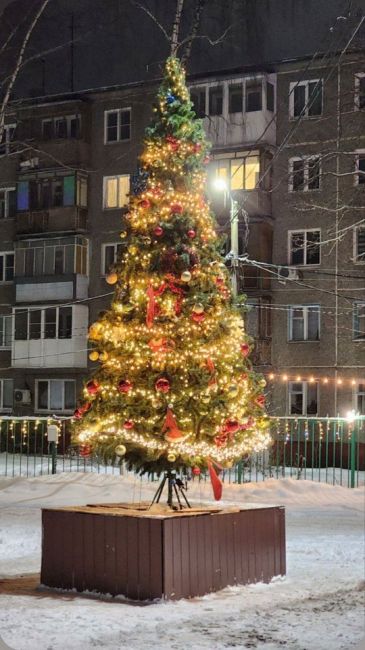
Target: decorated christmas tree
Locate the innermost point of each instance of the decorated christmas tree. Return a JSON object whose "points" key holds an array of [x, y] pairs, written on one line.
{"points": [[175, 387]]}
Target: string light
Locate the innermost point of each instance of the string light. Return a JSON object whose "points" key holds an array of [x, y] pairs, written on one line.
{"points": [[340, 381]]}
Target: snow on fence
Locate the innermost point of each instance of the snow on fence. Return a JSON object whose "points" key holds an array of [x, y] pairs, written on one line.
{"points": [[331, 450]]}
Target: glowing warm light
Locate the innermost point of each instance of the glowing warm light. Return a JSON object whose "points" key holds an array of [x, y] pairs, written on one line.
{"points": [[350, 416], [285, 377], [220, 184]]}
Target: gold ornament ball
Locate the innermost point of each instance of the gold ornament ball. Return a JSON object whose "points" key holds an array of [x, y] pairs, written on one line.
{"points": [[93, 355], [120, 450], [171, 457], [123, 234], [262, 383], [133, 250], [112, 278], [233, 390], [198, 308], [103, 356], [205, 398], [185, 276], [95, 331]]}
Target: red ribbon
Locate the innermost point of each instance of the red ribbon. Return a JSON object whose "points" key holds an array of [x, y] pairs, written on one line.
{"points": [[152, 293], [170, 428], [215, 481]]}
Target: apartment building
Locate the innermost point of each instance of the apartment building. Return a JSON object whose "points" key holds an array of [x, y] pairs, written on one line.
{"points": [[68, 165]]}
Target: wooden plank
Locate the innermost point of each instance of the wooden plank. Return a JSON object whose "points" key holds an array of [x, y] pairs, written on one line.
{"points": [[177, 558], [185, 564], [167, 552], [88, 551], [144, 558], [193, 558], [250, 522], [156, 559], [208, 554], [51, 567], [78, 558], [65, 524], [282, 542], [121, 555], [132, 566], [217, 571], [229, 548], [277, 543], [99, 554], [110, 582], [223, 549]]}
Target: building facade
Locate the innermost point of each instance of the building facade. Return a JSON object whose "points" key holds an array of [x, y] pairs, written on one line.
{"points": [[288, 140]]}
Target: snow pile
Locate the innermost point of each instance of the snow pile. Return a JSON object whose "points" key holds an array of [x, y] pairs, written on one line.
{"points": [[318, 605]]}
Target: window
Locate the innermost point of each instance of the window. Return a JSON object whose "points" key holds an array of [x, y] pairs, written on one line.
{"points": [[109, 256], [359, 321], [197, 96], [305, 98], [360, 399], [270, 97], [62, 127], [244, 173], [360, 168], [51, 192], [304, 174], [48, 323], [5, 332], [359, 245], [116, 191], [51, 256], [303, 323], [7, 137], [360, 91], [216, 100], [55, 394], [235, 99], [6, 267], [6, 394], [117, 125], [7, 202], [303, 398], [253, 96], [304, 247]]}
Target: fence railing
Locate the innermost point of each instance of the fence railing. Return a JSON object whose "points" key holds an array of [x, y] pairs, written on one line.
{"points": [[330, 450]]}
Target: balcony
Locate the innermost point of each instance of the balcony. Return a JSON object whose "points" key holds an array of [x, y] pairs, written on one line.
{"points": [[68, 286], [62, 219]]}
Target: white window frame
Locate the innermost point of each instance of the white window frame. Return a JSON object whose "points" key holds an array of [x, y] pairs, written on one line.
{"points": [[42, 245], [49, 409], [7, 190], [304, 391], [43, 309], [356, 257], [357, 304], [304, 231], [305, 160], [6, 409], [7, 139], [68, 119], [358, 76], [103, 270], [358, 153], [356, 393], [105, 184], [119, 111], [4, 254], [305, 309], [296, 84], [6, 331]]}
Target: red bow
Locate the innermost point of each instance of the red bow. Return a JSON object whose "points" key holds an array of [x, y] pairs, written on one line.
{"points": [[170, 428], [215, 481]]}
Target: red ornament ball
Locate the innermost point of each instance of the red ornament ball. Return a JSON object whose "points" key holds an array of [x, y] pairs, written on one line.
{"points": [[197, 147], [198, 318], [245, 349], [177, 208], [260, 401], [145, 203], [191, 233], [77, 414], [85, 450], [231, 426], [124, 386], [92, 387], [158, 231], [162, 385], [196, 471], [128, 424]]}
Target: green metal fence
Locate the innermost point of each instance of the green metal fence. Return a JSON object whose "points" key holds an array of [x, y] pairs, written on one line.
{"points": [[330, 450]]}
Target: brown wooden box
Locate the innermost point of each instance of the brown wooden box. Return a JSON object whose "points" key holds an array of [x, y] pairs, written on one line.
{"points": [[143, 557]]}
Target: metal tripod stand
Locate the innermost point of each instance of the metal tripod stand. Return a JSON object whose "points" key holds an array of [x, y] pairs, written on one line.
{"points": [[174, 486]]}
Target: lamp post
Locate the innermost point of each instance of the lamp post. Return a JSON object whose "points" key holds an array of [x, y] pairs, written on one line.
{"points": [[220, 184]]}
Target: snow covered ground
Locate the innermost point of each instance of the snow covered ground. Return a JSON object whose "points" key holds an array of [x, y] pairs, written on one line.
{"points": [[318, 606]]}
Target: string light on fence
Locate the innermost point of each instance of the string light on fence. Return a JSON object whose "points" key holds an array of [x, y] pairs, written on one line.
{"points": [[311, 379]]}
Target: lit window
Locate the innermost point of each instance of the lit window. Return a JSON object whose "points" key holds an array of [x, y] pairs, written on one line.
{"points": [[303, 398], [110, 255], [117, 125], [6, 267], [244, 173], [303, 323], [305, 98], [359, 321], [304, 247], [6, 394], [116, 191], [55, 394]]}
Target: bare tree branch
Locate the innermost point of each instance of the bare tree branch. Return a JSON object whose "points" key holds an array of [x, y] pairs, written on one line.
{"points": [[193, 32], [176, 27]]}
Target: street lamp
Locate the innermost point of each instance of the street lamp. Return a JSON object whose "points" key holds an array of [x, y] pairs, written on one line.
{"points": [[220, 184]]}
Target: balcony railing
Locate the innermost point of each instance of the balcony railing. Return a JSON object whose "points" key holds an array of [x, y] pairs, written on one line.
{"points": [[62, 219]]}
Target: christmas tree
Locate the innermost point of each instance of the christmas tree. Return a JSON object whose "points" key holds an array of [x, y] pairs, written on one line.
{"points": [[175, 387]]}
